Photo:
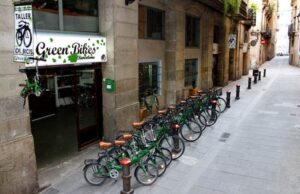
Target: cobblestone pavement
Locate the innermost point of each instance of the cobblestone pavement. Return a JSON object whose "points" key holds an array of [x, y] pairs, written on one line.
{"points": [[259, 155]]}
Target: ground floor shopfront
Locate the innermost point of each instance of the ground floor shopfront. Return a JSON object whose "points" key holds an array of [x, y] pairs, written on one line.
{"points": [[68, 115]]}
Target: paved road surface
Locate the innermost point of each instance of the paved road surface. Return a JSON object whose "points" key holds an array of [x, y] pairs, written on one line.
{"points": [[261, 154]]}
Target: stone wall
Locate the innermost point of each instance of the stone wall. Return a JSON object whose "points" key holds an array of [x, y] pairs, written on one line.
{"points": [[119, 24], [18, 171]]}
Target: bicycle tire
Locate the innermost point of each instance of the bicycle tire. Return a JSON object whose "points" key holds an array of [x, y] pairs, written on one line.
{"points": [[95, 180], [18, 38], [146, 169], [165, 153], [210, 121], [202, 121], [190, 131], [159, 162], [221, 102], [27, 44], [169, 142]]}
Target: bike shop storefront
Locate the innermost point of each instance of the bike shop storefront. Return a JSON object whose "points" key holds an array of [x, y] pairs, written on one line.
{"points": [[67, 116]]}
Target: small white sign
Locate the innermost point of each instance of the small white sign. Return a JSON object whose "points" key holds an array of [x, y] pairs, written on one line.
{"points": [[23, 33], [215, 48], [232, 41], [68, 48], [245, 47]]}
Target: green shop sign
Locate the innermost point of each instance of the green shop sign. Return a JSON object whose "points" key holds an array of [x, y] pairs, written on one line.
{"points": [[61, 48]]}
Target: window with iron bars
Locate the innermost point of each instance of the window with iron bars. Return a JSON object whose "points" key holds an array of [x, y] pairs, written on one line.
{"points": [[191, 72], [192, 31], [149, 78]]}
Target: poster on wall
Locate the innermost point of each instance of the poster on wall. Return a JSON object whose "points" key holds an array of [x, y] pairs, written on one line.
{"points": [[232, 41], [60, 48], [23, 33]]}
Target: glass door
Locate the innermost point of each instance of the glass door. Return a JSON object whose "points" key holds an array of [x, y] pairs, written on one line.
{"points": [[89, 106]]}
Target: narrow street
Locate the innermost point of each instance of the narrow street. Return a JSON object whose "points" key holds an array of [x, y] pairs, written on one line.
{"points": [[253, 147]]}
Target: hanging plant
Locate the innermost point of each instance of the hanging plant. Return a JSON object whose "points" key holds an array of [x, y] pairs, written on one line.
{"points": [[272, 8], [232, 8], [254, 7]]}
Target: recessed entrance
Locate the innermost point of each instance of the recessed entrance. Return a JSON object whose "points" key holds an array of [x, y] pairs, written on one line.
{"points": [[68, 116]]}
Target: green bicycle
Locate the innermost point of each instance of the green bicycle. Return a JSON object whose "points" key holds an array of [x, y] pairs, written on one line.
{"points": [[150, 101], [146, 171]]}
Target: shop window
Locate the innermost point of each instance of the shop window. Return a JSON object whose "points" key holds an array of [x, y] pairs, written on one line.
{"points": [[191, 72], [151, 23], [192, 31], [149, 78], [66, 15], [45, 14]]}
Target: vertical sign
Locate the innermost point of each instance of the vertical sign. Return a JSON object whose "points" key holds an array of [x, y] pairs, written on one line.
{"points": [[232, 41], [23, 33]]}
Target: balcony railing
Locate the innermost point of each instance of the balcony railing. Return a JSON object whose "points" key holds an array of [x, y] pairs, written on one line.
{"points": [[291, 30], [267, 33]]}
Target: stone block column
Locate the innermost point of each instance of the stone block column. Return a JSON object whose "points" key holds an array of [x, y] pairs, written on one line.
{"points": [[18, 171], [119, 23], [207, 27], [174, 54]]}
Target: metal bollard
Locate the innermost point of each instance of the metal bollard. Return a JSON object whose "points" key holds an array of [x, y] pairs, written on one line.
{"points": [[255, 79], [126, 176], [228, 99], [259, 75], [265, 72], [237, 95], [249, 83]]}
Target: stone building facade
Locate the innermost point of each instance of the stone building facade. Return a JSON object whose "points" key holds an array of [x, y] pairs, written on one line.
{"points": [[293, 33], [264, 32], [179, 59]]}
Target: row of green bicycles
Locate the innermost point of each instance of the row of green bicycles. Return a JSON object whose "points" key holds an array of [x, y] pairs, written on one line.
{"points": [[156, 142]]}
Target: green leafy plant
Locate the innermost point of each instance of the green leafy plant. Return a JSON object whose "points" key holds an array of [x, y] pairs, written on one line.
{"points": [[232, 8], [254, 7], [272, 8]]}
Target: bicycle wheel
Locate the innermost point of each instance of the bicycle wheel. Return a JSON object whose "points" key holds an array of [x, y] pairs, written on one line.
{"points": [[202, 121], [190, 131], [211, 119], [95, 174], [146, 174], [166, 154], [27, 38], [173, 143], [19, 38], [221, 103], [159, 162]]}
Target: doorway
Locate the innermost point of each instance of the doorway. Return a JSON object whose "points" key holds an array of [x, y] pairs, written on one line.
{"points": [[215, 73], [68, 115]]}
